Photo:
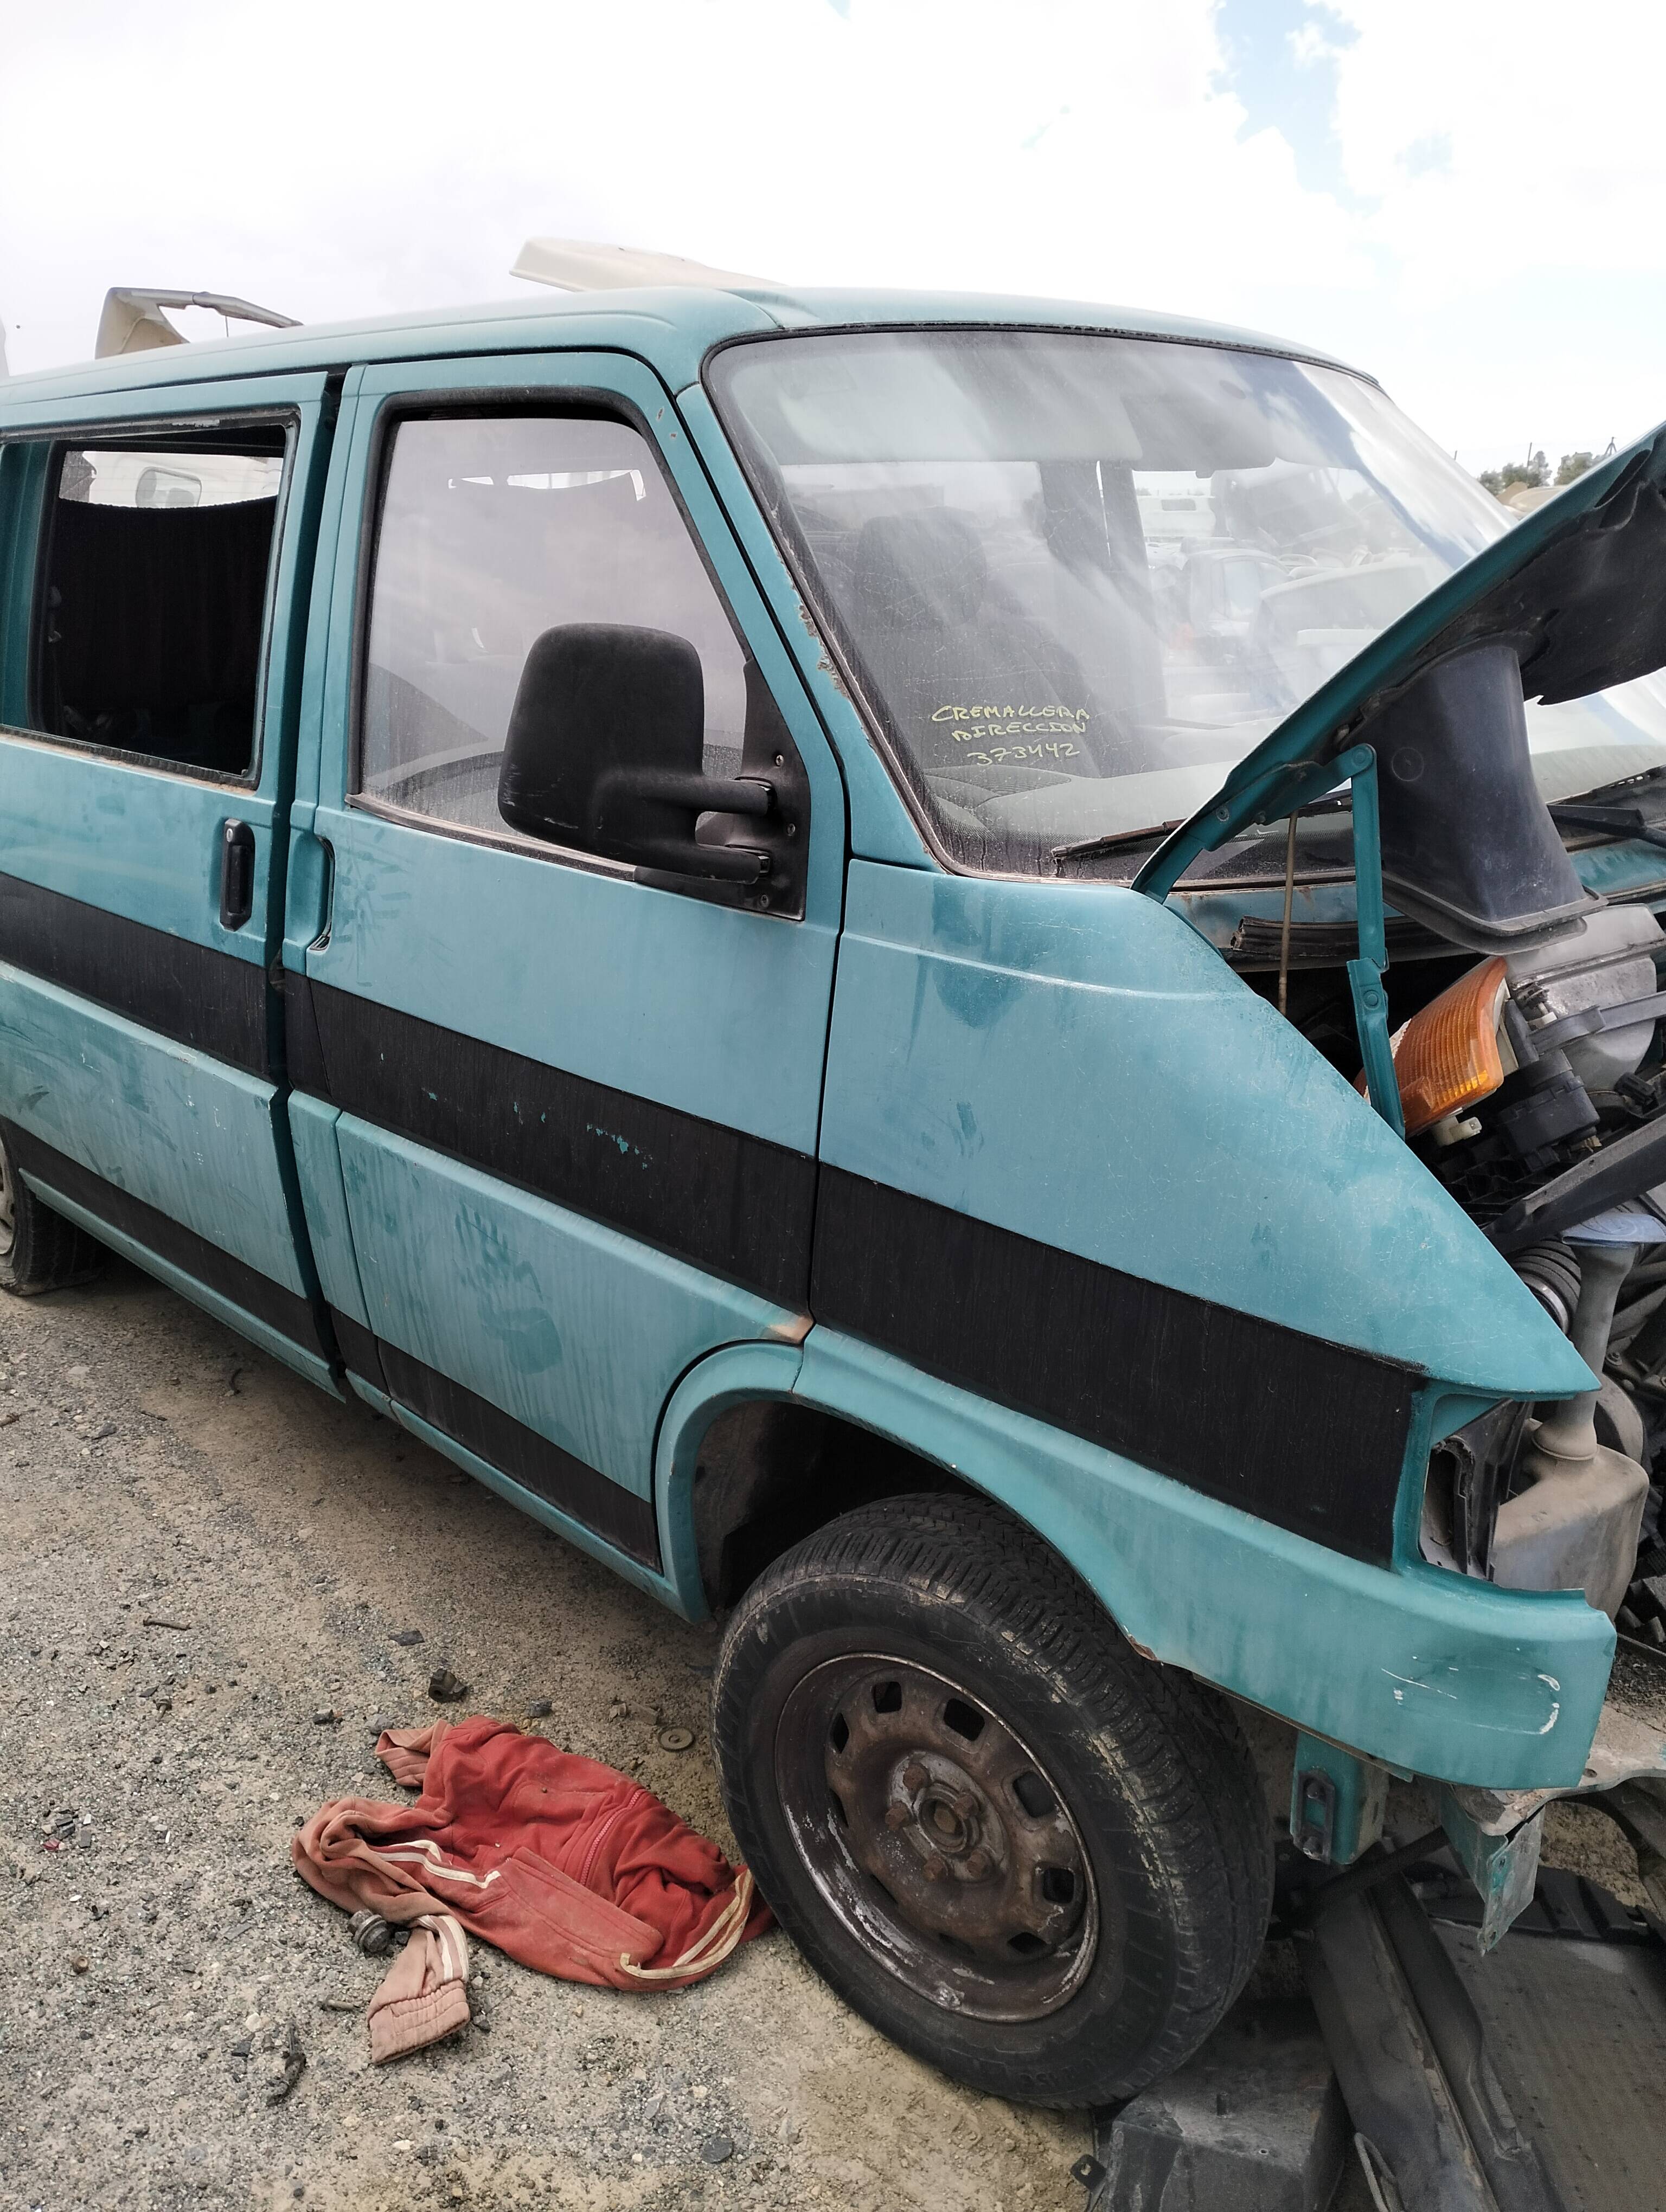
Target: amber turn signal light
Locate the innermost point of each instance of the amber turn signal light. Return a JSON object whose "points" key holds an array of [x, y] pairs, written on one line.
{"points": [[1447, 1056]]}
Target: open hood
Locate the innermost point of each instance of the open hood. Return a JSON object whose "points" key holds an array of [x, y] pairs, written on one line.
{"points": [[1571, 601]]}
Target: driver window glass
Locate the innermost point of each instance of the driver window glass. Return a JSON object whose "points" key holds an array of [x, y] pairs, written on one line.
{"points": [[494, 529]]}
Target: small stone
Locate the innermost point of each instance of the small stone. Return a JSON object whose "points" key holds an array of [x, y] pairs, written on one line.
{"points": [[715, 2150], [540, 1709], [164, 1704], [674, 1739], [243, 2046], [407, 1637], [295, 2062], [325, 1716], [618, 1710]]}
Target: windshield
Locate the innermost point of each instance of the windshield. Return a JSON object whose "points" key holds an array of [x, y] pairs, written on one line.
{"points": [[1076, 577]]}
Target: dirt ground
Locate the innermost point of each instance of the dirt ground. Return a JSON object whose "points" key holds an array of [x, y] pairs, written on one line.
{"points": [[155, 1468], [198, 1553]]}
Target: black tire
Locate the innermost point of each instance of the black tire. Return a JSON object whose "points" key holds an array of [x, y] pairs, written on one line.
{"points": [[39, 1250], [938, 1613]]}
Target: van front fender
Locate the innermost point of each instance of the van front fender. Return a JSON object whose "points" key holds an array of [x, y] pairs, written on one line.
{"points": [[1414, 1665]]}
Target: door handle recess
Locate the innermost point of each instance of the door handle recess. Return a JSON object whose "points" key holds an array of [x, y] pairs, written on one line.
{"points": [[236, 874]]}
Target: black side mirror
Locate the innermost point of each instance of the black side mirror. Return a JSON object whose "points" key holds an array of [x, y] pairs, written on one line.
{"points": [[604, 751]]}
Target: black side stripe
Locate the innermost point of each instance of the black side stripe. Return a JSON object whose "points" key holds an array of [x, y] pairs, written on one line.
{"points": [[361, 1353], [615, 1514], [286, 1311], [735, 1205], [212, 1001], [1301, 1432]]}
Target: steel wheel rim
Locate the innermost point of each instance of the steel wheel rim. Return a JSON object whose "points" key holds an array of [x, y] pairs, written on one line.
{"points": [[936, 1838], [7, 1206]]}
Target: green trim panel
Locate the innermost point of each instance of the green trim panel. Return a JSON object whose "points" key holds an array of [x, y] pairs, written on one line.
{"points": [[323, 1199], [577, 1332], [221, 1309], [186, 1135]]}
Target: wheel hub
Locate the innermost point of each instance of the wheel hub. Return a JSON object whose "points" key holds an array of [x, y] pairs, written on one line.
{"points": [[946, 1818], [924, 1814]]}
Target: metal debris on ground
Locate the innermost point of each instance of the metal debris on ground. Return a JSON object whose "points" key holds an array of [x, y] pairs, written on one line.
{"points": [[340, 2004], [370, 1932], [540, 1709], [155, 1620], [445, 1688], [674, 1739], [294, 2063], [60, 1827], [325, 1716]]}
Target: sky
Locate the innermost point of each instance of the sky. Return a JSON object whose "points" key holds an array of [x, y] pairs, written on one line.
{"points": [[1453, 194]]}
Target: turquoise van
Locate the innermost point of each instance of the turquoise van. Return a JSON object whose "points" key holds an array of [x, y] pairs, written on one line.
{"points": [[916, 966]]}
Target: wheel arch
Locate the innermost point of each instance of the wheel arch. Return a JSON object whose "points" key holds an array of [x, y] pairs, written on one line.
{"points": [[754, 1455]]}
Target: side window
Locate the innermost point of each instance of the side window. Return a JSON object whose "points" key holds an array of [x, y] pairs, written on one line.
{"points": [[495, 530], [149, 638]]}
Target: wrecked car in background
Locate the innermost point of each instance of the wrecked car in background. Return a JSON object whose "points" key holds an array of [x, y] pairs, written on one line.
{"points": [[916, 966]]}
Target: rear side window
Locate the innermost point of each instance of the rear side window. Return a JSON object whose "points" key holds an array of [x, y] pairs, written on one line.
{"points": [[493, 530], [155, 599]]}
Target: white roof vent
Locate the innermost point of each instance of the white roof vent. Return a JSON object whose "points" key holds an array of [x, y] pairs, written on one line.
{"points": [[577, 265], [133, 321]]}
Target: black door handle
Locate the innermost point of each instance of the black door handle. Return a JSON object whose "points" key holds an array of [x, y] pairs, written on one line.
{"points": [[236, 874]]}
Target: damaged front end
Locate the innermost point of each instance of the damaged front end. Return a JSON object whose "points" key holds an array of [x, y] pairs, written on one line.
{"points": [[1517, 1049]]}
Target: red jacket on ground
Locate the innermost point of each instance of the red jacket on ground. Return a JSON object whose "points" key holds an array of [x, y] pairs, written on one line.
{"points": [[561, 1862]]}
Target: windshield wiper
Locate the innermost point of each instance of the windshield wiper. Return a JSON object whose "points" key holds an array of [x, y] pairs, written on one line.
{"points": [[1113, 841], [1333, 802], [1622, 821]]}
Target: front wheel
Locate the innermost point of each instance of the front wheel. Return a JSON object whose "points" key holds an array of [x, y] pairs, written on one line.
{"points": [[1031, 1857]]}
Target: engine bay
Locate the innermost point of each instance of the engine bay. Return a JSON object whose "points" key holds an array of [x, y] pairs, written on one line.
{"points": [[1533, 1085]]}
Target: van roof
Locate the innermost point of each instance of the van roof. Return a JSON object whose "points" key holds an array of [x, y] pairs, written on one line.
{"points": [[673, 327]]}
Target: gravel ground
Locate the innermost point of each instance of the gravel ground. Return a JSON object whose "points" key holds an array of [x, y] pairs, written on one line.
{"points": [[198, 1553], [154, 1469]]}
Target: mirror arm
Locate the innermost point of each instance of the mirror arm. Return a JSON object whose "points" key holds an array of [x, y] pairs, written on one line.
{"points": [[701, 794], [722, 864]]}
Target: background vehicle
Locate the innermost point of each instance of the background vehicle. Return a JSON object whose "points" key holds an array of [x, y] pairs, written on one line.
{"points": [[573, 871]]}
